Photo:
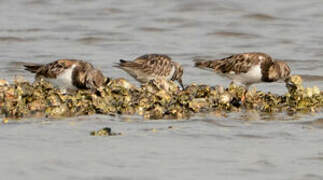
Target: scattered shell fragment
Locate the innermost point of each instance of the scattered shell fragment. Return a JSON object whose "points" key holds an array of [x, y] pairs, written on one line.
{"points": [[104, 132]]}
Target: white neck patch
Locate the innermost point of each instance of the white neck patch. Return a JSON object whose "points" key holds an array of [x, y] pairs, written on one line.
{"points": [[171, 73], [63, 80]]}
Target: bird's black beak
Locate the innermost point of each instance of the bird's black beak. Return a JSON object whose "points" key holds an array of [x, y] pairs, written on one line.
{"points": [[181, 83], [107, 80], [287, 79]]}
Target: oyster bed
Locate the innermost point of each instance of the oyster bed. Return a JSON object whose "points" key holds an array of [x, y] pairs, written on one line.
{"points": [[155, 100]]}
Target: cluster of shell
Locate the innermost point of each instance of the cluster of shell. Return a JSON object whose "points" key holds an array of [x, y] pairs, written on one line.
{"points": [[104, 132], [157, 99]]}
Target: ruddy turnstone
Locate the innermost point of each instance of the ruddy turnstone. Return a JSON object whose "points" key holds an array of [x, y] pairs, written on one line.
{"points": [[248, 68], [69, 74], [152, 66]]}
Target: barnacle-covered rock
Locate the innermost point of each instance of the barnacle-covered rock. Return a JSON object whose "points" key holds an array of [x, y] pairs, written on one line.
{"points": [[294, 84], [57, 111], [197, 104], [157, 112], [37, 105], [203, 91], [176, 111], [160, 84], [316, 90], [192, 88], [302, 99], [296, 80], [236, 91], [157, 99], [225, 98], [163, 97], [308, 92], [121, 82]]}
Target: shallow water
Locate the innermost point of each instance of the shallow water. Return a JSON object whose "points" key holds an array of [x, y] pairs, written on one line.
{"points": [[244, 145]]}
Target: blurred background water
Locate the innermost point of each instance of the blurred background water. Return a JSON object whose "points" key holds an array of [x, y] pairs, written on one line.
{"points": [[246, 145]]}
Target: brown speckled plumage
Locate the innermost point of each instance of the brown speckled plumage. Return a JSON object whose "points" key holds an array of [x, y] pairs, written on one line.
{"points": [[278, 71], [242, 63], [151, 66], [83, 76]]}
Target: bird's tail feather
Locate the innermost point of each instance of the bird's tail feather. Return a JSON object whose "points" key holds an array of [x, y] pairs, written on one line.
{"points": [[204, 64], [125, 64], [32, 67]]}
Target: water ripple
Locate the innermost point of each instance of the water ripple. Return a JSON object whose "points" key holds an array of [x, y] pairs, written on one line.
{"points": [[260, 17], [11, 39], [153, 29], [252, 136], [234, 34]]}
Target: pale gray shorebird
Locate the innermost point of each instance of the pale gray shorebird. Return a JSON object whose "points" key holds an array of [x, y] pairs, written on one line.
{"points": [[69, 74], [248, 68], [152, 66]]}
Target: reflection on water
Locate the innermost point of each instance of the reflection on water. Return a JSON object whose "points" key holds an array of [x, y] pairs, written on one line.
{"points": [[243, 145]]}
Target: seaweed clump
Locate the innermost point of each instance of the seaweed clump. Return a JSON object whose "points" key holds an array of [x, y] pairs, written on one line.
{"points": [[158, 99]]}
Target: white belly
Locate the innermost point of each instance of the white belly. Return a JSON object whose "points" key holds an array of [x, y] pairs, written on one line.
{"points": [[63, 80], [252, 76], [171, 73]]}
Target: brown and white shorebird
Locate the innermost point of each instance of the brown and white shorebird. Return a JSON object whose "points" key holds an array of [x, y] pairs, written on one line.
{"points": [[69, 74], [248, 68], [153, 66]]}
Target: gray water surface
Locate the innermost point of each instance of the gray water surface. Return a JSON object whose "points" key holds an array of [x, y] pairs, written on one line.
{"points": [[245, 145]]}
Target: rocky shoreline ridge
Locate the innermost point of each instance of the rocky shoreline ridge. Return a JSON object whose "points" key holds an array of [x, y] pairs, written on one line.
{"points": [[153, 100]]}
